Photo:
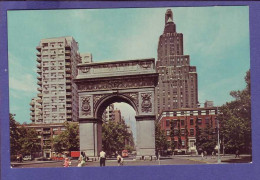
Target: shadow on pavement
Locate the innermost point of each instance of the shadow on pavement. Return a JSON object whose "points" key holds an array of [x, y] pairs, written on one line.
{"points": [[239, 160]]}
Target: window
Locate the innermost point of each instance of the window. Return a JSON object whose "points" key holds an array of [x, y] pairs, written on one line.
{"points": [[207, 120], [168, 133], [182, 122], [183, 143], [192, 132], [182, 132], [167, 123], [176, 132], [199, 121], [191, 121]]}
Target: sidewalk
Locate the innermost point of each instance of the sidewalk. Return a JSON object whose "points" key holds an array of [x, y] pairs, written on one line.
{"points": [[229, 158]]}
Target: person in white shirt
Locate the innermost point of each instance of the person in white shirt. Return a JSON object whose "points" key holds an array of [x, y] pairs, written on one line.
{"points": [[102, 156]]}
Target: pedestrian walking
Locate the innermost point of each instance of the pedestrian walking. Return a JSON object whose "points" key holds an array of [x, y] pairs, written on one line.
{"points": [[157, 154], [205, 154], [213, 155], [82, 159], [67, 162], [119, 160], [237, 154], [102, 156], [202, 154]]}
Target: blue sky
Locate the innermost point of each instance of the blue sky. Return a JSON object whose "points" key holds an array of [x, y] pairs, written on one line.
{"points": [[216, 38]]}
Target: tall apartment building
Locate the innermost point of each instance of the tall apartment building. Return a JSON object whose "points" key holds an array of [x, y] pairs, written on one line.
{"points": [[108, 114], [178, 84], [36, 110], [57, 58]]}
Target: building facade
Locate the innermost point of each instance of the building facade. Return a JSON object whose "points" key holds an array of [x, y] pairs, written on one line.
{"points": [[36, 110], [46, 132], [184, 121], [178, 82], [58, 59]]}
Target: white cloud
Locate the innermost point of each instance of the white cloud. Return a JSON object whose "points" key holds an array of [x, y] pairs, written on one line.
{"points": [[23, 83]]}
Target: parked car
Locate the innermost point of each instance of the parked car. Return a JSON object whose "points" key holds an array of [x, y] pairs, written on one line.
{"points": [[27, 158]]}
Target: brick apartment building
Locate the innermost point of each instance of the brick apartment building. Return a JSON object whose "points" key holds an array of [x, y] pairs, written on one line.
{"points": [[45, 133], [184, 121]]}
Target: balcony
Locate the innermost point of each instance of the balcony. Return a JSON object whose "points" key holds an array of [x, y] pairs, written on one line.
{"points": [[39, 66], [32, 118], [68, 87], [67, 52], [68, 99], [38, 48], [67, 57], [39, 83], [39, 94], [68, 81], [39, 71], [67, 46], [69, 117], [68, 105], [38, 54], [40, 107], [31, 103], [39, 60], [32, 113], [69, 111], [32, 109], [39, 101], [39, 88], [67, 64], [68, 70], [68, 93], [39, 78]]}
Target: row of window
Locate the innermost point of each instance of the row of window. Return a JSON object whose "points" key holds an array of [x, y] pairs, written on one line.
{"points": [[182, 131]]}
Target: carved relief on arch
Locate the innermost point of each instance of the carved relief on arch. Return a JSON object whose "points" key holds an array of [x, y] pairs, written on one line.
{"points": [[133, 97], [146, 105], [146, 65], [97, 98], [85, 106]]}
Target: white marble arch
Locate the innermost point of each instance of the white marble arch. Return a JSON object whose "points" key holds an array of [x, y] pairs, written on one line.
{"points": [[135, 86]]}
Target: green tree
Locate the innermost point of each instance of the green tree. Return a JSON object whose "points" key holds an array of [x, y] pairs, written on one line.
{"points": [[114, 136], [29, 141], [235, 120], [206, 138], [161, 142], [67, 140], [15, 145]]}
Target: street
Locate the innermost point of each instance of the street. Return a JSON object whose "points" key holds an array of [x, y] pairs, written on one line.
{"points": [[174, 160]]}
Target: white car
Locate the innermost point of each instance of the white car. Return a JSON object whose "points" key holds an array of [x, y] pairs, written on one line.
{"points": [[27, 158]]}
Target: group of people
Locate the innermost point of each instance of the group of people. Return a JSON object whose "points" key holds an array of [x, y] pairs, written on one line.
{"points": [[83, 159], [102, 156]]}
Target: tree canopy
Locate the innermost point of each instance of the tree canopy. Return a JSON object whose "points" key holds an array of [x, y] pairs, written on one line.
{"points": [[22, 140], [235, 120], [114, 136], [68, 140]]}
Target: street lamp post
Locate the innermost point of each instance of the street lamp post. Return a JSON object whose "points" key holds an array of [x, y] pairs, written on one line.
{"points": [[219, 160]]}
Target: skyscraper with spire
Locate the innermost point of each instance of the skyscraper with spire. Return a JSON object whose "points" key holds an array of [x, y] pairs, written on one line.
{"points": [[178, 81]]}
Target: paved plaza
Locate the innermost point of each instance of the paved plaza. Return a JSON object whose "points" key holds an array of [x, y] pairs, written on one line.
{"points": [[174, 160]]}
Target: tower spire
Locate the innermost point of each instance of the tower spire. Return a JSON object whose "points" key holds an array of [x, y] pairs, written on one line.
{"points": [[168, 15]]}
